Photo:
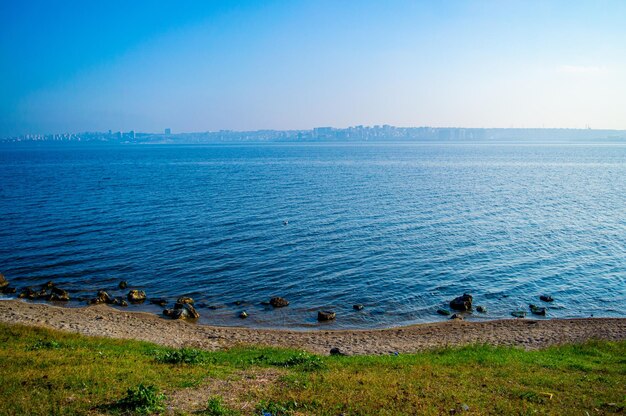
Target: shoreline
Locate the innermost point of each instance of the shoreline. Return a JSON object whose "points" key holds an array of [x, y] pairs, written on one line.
{"points": [[102, 320]]}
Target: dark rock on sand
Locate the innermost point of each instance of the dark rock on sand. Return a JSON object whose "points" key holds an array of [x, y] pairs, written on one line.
{"points": [[123, 284], [546, 298], [443, 312], [326, 316], [279, 302], [336, 351], [462, 303], [182, 311], [185, 299], [159, 301], [3, 281], [518, 314], [136, 296], [358, 307], [537, 310], [481, 309], [457, 316]]}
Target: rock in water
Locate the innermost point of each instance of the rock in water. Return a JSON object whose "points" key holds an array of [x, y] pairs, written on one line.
{"points": [[105, 297], [243, 314], [519, 314], [457, 316], [173, 313], [3, 281], [120, 301], [185, 299], [537, 310], [481, 309], [462, 303], [182, 311], [326, 316], [546, 298], [123, 284], [279, 302], [136, 296], [8, 290], [28, 293], [443, 312], [358, 307], [59, 295], [190, 312]]}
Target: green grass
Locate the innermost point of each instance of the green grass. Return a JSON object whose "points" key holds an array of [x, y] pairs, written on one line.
{"points": [[45, 372]]}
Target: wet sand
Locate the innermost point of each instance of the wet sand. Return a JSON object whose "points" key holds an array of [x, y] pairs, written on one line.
{"points": [[102, 320]]}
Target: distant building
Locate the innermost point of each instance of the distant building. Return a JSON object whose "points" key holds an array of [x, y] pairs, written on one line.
{"points": [[168, 131], [322, 132], [131, 134]]}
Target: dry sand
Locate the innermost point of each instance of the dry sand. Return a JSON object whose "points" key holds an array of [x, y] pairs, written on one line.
{"points": [[102, 320]]}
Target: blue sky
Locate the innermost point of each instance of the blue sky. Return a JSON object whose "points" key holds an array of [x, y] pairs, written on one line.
{"points": [[202, 65]]}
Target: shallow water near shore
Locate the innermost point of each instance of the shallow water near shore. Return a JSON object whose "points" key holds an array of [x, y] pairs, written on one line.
{"points": [[399, 227]]}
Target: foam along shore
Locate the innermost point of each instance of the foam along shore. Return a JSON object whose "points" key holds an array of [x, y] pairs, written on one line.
{"points": [[102, 320]]}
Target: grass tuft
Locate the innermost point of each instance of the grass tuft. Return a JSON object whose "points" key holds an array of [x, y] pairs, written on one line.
{"points": [[44, 345], [303, 361], [182, 356], [215, 407], [142, 400]]}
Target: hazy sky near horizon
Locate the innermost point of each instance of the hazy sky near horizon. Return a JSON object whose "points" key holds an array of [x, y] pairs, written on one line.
{"points": [[245, 65]]}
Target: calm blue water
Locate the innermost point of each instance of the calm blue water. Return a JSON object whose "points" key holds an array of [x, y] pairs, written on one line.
{"points": [[401, 228]]}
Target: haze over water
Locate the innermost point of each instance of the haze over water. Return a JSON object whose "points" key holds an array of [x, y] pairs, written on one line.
{"points": [[401, 228]]}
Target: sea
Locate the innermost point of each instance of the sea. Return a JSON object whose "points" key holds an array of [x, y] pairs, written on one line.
{"points": [[401, 228]]}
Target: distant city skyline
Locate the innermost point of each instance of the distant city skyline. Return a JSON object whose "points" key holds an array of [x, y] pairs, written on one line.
{"points": [[376, 133], [207, 66]]}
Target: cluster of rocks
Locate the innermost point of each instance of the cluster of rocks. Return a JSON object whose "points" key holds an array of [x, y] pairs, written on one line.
{"points": [[134, 296], [183, 309], [464, 304], [48, 291]]}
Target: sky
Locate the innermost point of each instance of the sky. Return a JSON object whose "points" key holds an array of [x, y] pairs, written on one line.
{"points": [[87, 65]]}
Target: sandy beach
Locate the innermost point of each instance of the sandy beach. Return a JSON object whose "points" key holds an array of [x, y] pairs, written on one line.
{"points": [[102, 320]]}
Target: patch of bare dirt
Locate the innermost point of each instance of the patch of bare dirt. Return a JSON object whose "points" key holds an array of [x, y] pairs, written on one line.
{"points": [[240, 391]]}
